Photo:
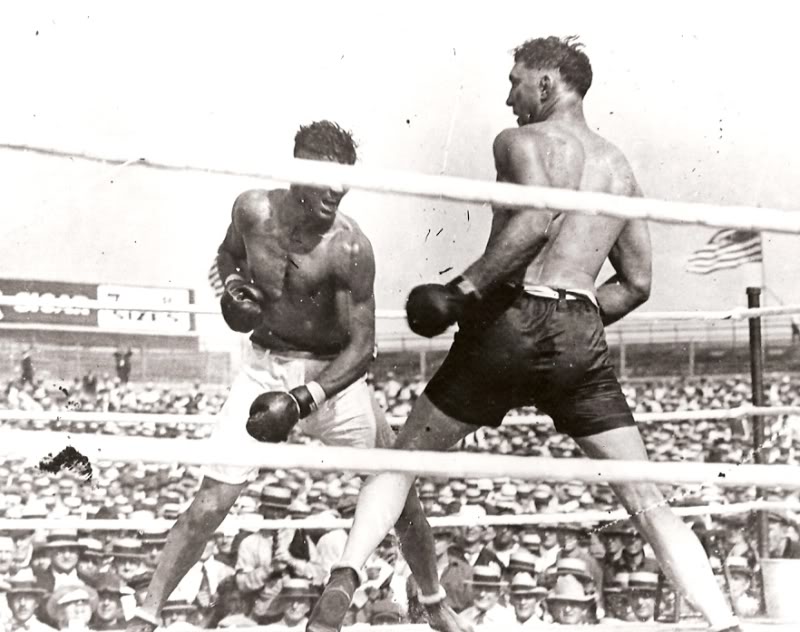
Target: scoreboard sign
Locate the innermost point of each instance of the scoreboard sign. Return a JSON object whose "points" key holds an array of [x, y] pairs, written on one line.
{"points": [[142, 320]]}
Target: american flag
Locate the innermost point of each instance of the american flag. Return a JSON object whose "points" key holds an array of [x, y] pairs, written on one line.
{"points": [[727, 248], [214, 281]]}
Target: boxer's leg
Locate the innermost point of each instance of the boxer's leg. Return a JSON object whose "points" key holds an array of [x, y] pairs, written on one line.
{"points": [[677, 548]]}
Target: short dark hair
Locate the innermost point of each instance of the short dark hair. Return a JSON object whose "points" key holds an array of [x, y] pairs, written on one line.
{"points": [[327, 139], [564, 54]]}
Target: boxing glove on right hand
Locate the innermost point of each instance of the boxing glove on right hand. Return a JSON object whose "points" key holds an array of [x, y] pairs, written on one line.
{"points": [[241, 304], [433, 307]]}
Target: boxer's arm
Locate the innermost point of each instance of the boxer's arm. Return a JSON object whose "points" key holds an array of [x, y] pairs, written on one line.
{"points": [[232, 255], [520, 239], [355, 304], [631, 257]]}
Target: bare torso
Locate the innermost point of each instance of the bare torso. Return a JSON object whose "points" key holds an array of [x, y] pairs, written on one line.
{"points": [[302, 275], [578, 245]]}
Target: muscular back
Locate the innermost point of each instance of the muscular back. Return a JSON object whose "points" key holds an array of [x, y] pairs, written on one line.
{"points": [[565, 156], [313, 282]]}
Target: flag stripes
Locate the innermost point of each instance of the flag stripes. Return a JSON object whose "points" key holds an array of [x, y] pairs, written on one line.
{"points": [[727, 248]]}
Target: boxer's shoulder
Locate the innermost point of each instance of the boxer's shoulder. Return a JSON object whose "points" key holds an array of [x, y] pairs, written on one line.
{"points": [[347, 237], [545, 144], [255, 205], [351, 253]]}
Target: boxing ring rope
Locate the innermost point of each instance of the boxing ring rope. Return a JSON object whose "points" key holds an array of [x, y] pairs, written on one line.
{"points": [[330, 523], [53, 302], [22, 443], [717, 414]]}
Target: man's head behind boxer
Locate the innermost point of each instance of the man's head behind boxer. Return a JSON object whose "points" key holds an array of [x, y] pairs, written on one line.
{"points": [[546, 70], [323, 140]]}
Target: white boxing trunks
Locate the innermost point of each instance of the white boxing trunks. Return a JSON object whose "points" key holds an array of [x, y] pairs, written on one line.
{"points": [[346, 419]]}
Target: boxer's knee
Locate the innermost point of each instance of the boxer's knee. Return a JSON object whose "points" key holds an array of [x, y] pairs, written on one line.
{"points": [[212, 503]]}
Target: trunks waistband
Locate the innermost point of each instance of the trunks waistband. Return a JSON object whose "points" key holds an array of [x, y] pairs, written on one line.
{"points": [[545, 291], [297, 354]]}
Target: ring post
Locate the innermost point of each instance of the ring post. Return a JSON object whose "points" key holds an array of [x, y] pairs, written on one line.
{"points": [[757, 381]]}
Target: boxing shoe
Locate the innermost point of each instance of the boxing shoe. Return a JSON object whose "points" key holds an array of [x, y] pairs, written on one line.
{"points": [[331, 608]]}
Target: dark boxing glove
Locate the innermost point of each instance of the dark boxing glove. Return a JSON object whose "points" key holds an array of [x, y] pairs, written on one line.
{"points": [[433, 307], [241, 304], [273, 414]]}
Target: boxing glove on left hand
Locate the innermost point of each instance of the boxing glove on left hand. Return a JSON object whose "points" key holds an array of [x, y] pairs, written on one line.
{"points": [[433, 307], [241, 305], [273, 414]]}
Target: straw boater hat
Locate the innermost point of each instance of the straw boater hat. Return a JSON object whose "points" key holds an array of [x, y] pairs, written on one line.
{"points": [[153, 536], [523, 585], [24, 583], [177, 605], [70, 594], [523, 561], [274, 497], [643, 581], [737, 564], [573, 566], [90, 547], [486, 576], [127, 549], [62, 539], [296, 589], [568, 588]]}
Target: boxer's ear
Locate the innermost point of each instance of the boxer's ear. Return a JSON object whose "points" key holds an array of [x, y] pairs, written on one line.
{"points": [[545, 87]]}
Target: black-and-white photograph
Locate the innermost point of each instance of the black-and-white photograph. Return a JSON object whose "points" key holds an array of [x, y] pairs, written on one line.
{"points": [[466, 317]]}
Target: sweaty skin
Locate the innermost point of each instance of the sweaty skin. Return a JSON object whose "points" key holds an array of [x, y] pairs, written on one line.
{"points": [[318, 279], [569, 248]]}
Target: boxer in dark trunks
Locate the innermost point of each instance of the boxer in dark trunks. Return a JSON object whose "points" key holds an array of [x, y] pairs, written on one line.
{"points": [[531, 320]]}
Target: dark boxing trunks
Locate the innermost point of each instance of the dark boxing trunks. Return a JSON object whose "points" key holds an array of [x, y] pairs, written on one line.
{"points": [[547, 352]]}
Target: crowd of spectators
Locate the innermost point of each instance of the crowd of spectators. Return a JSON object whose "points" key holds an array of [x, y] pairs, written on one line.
{"points": [[567, 573]]}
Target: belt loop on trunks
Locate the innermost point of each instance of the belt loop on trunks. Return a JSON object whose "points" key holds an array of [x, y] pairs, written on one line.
{"points": [[562, 299]]}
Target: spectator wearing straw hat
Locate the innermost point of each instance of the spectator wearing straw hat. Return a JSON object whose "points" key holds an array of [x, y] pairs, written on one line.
{"points": [[569, 538], [7, 551], [24, 596], [90, 560], [633, 555], [128, 558], [64, 550], [616, 599], [740, 581], [176, 610], [72, 607], [487, 583], [294, 602], [568, 603], [549, 547], [152, 542], [266, 552], [642, 587], [471, 535], [523, 561], [110, 613], [526, 598]]}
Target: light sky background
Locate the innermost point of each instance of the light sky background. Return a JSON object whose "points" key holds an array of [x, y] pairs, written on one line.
{"points": [[701, 96]]}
